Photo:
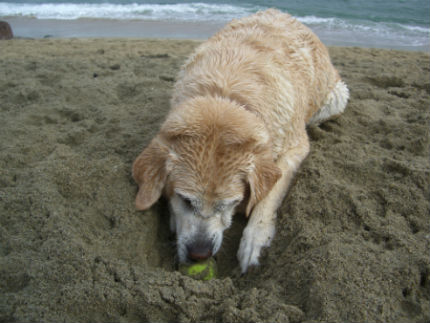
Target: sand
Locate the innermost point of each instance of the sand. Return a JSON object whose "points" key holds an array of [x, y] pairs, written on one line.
{"points": [[111, 28], [352, 235]]}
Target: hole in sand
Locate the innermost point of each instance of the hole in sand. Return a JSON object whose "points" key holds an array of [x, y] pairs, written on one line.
{"points": [[423, 278], [226, 260], [165, 240]]}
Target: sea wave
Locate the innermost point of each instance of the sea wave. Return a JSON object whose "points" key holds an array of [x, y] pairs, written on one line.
{"points": [[382, 33], [334, 27], [179, 12], [361, 25]]}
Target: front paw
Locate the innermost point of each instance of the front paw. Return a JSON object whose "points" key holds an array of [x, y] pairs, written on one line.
{"points": [[255, 237]]}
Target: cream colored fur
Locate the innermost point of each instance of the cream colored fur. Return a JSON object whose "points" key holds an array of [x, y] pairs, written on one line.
{"points": [[236, 133]]}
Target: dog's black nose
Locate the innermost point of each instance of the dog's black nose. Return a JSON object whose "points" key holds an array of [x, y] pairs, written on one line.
{"points": [[199, 251]]}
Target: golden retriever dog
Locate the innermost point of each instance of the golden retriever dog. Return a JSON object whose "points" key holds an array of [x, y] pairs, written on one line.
{"points": [[236, 132]]}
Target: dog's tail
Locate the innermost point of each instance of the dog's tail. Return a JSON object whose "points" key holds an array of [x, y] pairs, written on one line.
{"points": [[333, 106]]}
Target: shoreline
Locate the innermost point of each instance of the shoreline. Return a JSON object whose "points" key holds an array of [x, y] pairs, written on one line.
{"points": [[111, 28], [181, 30]]}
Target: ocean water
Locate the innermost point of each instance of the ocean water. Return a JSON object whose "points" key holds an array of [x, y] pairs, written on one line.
{"points": [[373, 23]]}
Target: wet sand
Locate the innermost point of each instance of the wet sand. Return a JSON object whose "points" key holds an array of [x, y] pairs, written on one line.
{"points": [[111, 28], [352, 235]]}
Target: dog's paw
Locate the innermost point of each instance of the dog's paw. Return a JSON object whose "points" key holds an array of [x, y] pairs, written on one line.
{"points": [[255, 237]]}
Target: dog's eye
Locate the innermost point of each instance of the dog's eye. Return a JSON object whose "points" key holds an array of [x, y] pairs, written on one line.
{"points": [[223, 206], [219, 208], [187, 201]]}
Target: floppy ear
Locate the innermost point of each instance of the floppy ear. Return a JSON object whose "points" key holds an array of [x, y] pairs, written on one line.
{"points": [[261, 179], [149, 171]]}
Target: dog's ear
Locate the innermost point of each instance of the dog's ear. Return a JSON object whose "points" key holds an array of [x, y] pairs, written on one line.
{"points": [[261, 179], [149, 171]]}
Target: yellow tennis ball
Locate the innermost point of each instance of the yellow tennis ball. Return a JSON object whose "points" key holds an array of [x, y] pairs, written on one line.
{"points": [[202, 270]]}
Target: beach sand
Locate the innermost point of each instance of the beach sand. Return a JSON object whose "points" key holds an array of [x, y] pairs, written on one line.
{"points": [[352, 236]]}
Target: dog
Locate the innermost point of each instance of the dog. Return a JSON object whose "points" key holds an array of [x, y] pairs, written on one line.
{"points": [[236, 132]]}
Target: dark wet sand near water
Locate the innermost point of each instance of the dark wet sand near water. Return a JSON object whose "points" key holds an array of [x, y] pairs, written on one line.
{"points": [[352, 235]]}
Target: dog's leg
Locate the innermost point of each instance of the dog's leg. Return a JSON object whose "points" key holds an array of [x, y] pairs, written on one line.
{"points": [[260, 229], [334, 104]]}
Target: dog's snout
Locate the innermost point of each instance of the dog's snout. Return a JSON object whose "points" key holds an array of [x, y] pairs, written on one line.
{"points": [[200, 250]]}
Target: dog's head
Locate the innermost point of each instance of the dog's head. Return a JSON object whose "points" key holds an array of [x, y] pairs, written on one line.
{"points": [[210, 156]]}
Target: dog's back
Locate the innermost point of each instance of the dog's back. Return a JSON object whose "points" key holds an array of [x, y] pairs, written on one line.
{"points": [[236, 133], [269, 63]]}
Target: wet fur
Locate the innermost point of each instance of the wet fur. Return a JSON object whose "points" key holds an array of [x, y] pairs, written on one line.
{"points": [[236, 134]]}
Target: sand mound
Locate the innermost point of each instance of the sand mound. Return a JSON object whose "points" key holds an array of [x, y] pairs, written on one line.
{"points": [[352, 236]]}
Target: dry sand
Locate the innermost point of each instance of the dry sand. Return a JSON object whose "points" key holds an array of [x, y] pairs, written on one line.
{"points": [[352, 235]]}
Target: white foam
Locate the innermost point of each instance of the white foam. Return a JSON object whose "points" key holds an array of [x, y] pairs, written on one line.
{"points": [[380, 34], [316, 20], [178, 12]]}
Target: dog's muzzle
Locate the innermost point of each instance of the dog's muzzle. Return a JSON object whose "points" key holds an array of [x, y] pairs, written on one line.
{"points": [[199, 250]]}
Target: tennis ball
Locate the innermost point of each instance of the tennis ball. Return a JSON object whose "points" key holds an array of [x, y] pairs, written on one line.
{"points": [[202, 270]]}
